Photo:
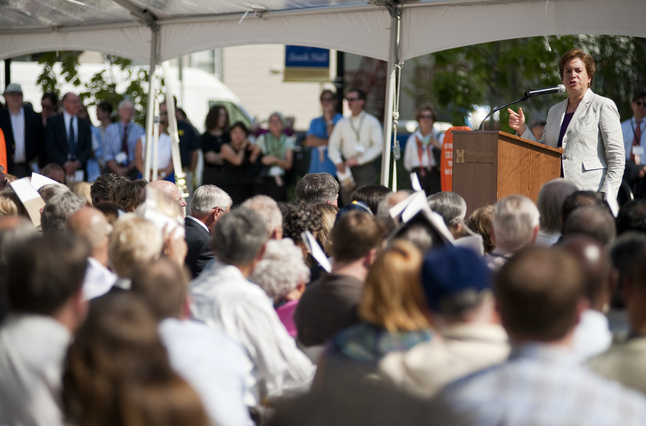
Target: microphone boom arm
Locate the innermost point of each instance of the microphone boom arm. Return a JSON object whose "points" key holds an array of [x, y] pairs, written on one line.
{"points": [[523, 99]]}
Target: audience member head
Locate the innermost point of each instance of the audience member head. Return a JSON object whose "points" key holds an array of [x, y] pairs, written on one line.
{"points": [[356, 235], [110, 210], [104, 111], [209, 204], [48, 191], [126, 111], [318, 188], [481, 222], [453, 209], [13, 231], [163, 285], [632, 216], [327, 213], [581, 199], [128, 194], [550, 203], [392, 295], [100, 190], [267, 208], [58, 209], [515, 223], [54, 171], [592, 221], [624, 253], [600, 278], [117, 371], [134, 241], [44, 276], [83, 189], [281, 272], [299, 217], [239, 238], [539, 293], [91, 226], [170, 189], [10, 204], [217, 118], [49, 104], [457, 285], [371, 195], [389, 201]]}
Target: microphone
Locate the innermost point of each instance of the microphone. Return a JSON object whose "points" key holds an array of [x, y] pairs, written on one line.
{"points": [[547, 91]]}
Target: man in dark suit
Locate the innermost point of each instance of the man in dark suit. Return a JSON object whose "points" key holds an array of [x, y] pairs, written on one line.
{"points": [[208, 205], [69, 138], [23, 131]]}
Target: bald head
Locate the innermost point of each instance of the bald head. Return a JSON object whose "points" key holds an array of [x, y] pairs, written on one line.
{"points": [[171, 190], [90, 225], [596, 268]]}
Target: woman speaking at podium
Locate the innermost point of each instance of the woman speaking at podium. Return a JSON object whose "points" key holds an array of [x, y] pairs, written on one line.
{"points": [[586, 126]]}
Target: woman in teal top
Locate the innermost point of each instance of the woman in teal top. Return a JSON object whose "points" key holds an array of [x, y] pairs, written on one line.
{"points": [[277, 151]]}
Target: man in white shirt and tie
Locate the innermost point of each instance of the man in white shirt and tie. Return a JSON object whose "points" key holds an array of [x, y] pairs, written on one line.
{"points": [[356, 144], [633, 131]]}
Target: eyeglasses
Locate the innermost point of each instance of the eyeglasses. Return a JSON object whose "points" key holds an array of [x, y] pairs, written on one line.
{"points": [[640, 103], [426, 116], [327, 99], [351, 99]]}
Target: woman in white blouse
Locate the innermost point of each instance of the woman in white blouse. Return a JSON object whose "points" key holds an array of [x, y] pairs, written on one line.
{"points": [[423, 150]]}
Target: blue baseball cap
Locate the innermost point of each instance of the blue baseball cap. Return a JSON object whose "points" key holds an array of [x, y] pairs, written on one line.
{"points": [[449, 270]]}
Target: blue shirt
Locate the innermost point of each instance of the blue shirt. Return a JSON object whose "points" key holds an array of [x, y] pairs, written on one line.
{"points": [[318, 128], [541, 384], [114, 136]]}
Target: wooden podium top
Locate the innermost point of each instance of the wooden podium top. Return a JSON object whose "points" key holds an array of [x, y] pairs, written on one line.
{"points": [[508, 137]]}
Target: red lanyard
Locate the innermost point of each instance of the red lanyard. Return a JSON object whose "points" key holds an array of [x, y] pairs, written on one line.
{"points": [[420, 154]]}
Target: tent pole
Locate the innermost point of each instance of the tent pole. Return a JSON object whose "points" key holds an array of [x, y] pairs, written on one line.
{"points": [[393, 58], [150, 107]]}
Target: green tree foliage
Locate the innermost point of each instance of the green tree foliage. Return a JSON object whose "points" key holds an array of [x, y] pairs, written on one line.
{"points": [[499, 72], [116, 81]]}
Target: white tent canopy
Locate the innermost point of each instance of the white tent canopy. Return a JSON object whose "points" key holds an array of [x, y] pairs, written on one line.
{"points": [[154, 31], [122, 27]]}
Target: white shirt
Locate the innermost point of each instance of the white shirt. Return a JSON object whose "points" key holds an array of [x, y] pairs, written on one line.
{"points": [[213, 365], [224, 299], [98, 279], [357, 137], [32, 350], [18, 129], [163, 151], [628, 128], [411, 155], [592, 335]]}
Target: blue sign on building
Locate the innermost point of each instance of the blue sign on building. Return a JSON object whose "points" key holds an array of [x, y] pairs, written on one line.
{"points": [[306, 64]]}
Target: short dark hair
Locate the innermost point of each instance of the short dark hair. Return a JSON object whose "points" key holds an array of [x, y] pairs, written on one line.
{"points": [[240, 125], [593, 221], [632, 216], [105, 106], [100, 189], [53, 97], [44, 272], [355, 233], [371, 195], [163, 285], [639, 94], [360, 93], [317, 188], [238, 236], [127, 194], [537, 293], [328, 92], [299, 217], [582, 198], [421, 109]]}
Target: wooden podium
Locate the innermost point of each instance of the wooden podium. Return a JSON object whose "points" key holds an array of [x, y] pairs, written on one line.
{"points": [[490, 165]]}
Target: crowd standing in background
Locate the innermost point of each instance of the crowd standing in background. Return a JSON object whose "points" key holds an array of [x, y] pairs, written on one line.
{"points": [[324, 310]]}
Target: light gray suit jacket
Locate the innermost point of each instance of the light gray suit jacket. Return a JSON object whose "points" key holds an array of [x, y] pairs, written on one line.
{"points": [[594, 157]]}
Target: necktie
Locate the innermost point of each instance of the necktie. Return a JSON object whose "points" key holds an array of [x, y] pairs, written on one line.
{"points": [[71, 146], [124, 141], [637, 140]]}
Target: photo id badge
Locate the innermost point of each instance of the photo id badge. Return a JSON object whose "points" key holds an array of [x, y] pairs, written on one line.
{"points": [[638, 150]]}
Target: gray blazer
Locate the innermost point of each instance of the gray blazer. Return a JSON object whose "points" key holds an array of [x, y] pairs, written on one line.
{"points": [[594, 155]]}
